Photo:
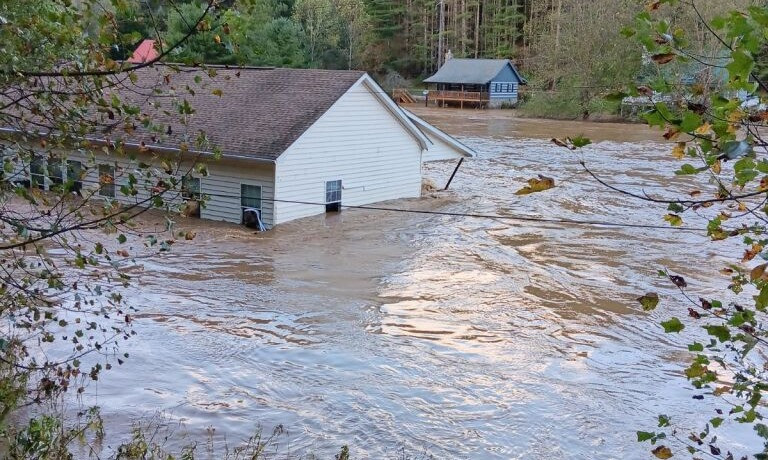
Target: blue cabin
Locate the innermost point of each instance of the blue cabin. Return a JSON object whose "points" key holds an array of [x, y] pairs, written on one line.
{"points": [[476, 82]]}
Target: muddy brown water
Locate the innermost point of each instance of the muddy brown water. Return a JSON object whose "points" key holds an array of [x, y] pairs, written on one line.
{"points": [[455, 336]]}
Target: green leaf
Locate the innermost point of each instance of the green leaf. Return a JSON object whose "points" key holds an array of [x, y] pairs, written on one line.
{"points": [[687, 169], [675, 207], [690, 122], [740, 66], [643, 436], [672, 325], [121, 239], [762, 430], [722, 333], [716, 422], [580, 141], [696, 346], [649, 301]]}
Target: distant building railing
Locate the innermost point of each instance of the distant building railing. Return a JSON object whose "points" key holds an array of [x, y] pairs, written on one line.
{"points": [[468, 96]]}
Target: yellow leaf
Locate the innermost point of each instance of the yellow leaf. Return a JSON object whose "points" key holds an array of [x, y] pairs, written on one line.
{"points": [[217, 39], [742, 207], [537, 185], [721, 390], [758, 272], [752, 252], [736, 116], [674, 220], [704, 129], [679, 151], [662, 452], [716, 167]]}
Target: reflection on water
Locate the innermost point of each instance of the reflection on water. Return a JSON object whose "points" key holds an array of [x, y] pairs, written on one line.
{"points": [[464, 337]]}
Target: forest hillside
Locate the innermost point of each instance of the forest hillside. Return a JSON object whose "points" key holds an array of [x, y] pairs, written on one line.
{"points": [[571, 51]]}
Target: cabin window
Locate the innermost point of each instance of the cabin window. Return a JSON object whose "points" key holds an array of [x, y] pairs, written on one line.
{"points": [[74, 175], [333, 196], [250, 196], [37, 172], [107, 180], [190, 188]]}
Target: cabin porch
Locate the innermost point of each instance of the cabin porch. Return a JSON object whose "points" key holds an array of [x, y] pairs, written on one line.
{"points": [[477, 95]]}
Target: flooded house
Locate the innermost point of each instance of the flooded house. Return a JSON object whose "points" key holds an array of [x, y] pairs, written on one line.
{"points": [[476, 83], [292, 142]]}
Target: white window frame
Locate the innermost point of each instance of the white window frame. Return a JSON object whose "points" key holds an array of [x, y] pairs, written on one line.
{"points": [[70, 170], [333, 194], [242, 196], [35, 162]]}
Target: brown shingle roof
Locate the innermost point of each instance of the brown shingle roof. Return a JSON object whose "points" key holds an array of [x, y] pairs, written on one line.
{"points": [[249, 112]]}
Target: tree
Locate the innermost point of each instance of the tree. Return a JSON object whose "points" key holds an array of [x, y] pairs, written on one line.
{"points": [[718, 128], [62, 238]]}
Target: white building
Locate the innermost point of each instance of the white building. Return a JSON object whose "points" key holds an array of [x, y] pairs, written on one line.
{"points": [[293, 143]]}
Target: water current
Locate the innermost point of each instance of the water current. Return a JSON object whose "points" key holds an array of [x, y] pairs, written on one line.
{"points": [[460, 337]]}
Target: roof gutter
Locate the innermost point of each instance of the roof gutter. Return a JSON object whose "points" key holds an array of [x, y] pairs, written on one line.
{"points": [[155, 147]]}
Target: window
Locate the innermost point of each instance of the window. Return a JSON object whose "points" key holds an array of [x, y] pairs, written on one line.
{"points": [[190, 188], [74, 176], [37, 172], [55, 172], [107, 180], [333, 196], [496, 88], [250, 196]]}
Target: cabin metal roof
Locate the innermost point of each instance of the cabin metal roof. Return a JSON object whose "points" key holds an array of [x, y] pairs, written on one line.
{"points": [[246, 112], [471, 71]]}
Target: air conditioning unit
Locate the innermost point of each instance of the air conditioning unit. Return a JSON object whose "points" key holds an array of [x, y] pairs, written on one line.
{"points": [[252, 219]]}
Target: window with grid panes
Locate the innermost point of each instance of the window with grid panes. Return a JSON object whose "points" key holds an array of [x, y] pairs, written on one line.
{"points": [[37, 172], [333, 191], [250, 196]]}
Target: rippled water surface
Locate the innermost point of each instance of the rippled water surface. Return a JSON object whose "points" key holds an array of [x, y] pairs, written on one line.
{"points": [[461, 337]]}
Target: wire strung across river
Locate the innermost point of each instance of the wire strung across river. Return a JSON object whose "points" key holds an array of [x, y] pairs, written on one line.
{"points": [[523, 218]]}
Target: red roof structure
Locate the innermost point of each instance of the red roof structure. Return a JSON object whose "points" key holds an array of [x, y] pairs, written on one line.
{"points": [[145, 52]]}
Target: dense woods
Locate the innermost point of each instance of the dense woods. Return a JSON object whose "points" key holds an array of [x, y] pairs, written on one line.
{"points": [[570, 50]]}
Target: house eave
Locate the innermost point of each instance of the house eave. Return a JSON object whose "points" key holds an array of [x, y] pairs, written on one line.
{"points": [[443, 136], [153, 147]]}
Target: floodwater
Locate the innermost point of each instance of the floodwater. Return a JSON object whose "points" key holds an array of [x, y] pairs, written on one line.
{"points": [[458, 337]]}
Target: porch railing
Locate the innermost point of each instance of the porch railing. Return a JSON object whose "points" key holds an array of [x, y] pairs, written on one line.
{"points": [[479, 96]]}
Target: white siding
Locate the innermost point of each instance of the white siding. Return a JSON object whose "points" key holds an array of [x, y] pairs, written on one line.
{"points": [[358, 141], [222, 184], [223, 187], [440, 150]]}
